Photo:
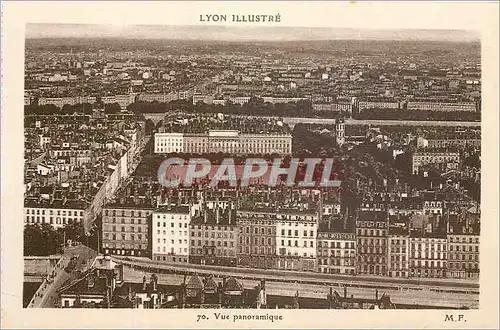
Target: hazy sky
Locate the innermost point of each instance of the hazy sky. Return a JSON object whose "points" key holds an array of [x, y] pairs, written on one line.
{"points": [[196, 32]]}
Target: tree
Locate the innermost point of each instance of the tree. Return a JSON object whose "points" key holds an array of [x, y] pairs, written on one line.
{"points": [[67, 109], [41, 240], [112, 108]]}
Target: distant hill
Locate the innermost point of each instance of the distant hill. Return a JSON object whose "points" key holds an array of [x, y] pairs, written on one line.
{"points": [[229, 33]]}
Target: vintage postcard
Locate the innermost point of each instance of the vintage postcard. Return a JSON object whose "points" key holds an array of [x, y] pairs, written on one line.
{"points": [[249, 165]]}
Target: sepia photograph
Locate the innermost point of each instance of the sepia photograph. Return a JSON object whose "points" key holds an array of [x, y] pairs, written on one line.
{"points": [[240, 167]]}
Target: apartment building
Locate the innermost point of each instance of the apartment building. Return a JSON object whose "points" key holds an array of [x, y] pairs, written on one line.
{"points": [[463, 251], [170, 234], [427, 254], [336, 252], [421, 158], [296, 234], [372, 229], [257, 238], [57, 213], [125, 229], [398, 252], [214, 238]]}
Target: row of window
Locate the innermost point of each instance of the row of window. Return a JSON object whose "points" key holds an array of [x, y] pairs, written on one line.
{"points": [[123, 237], [337, 262], [336, 270], [172, 250], [257, 250], [371, 241], [283, 252], [372, 232], [212, 235], [223, 228], [463, 265], [295, 233], [338, 245], [457, 256], [256, 240], [172, 232], [338, 253], [427, 264], [433, 255], [174, 259], [172, 225], [58, 212], [371, 259], [126, 246], [256, 231], [122, 212], [206, 243], [57, 221], [464, 239], [305, 244], [172, 241], [123, 220], [216, 252], [123, 229]]}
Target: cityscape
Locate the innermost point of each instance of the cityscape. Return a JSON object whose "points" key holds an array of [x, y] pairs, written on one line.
{"points": [[401, 121]]}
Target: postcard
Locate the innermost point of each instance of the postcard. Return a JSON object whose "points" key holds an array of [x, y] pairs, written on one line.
{"points": [[249, 164]]}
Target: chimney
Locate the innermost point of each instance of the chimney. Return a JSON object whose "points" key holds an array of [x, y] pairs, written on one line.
{"points": [[91, 280]]}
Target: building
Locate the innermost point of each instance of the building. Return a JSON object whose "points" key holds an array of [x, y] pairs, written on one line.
{"points": [[57, 213], [463, 251], [427, 254], [170, 234], [125, 229], [421, 158], [169, 143], [332, 107], [296, 234], [214, 237], [377, 104], [398, 249], [257, 238], [372, 233], [441, 106], [336, 251], [225, 141], [340, 131], [94, 288]]}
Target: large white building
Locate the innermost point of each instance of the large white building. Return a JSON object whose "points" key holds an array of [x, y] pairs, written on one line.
{"points": [[57, 213], [296, 233], [170, 234], [226, 141], [441, 106]]}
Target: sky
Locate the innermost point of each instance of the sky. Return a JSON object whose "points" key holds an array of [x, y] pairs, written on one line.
{"points": [[232, 33]]}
